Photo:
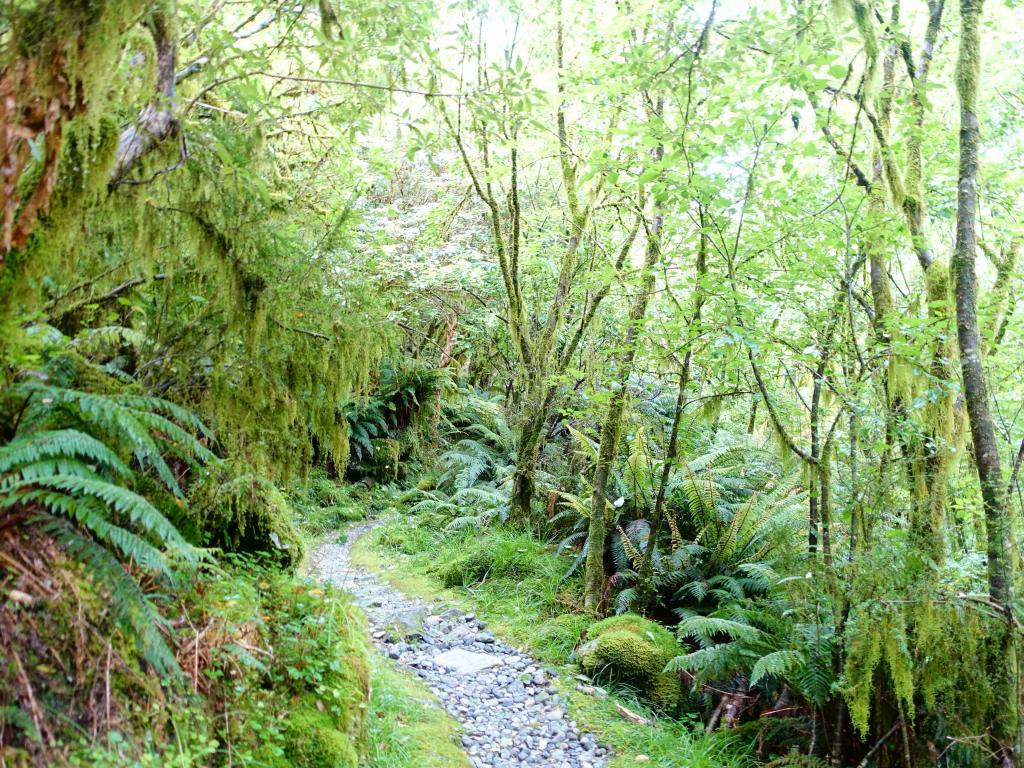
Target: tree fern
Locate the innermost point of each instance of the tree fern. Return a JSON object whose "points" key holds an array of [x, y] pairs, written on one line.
{"points": [[776, 664]]}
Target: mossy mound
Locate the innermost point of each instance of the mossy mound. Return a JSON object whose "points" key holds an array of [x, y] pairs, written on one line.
{"points": [[563, 633], [633, 650], [383, 464], [246, 513], [321, 642], [313, 741]]}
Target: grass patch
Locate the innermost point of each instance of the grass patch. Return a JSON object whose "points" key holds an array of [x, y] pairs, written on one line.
{"points": [[666, 744], [408, 729], [509, 579], [323, 505]]}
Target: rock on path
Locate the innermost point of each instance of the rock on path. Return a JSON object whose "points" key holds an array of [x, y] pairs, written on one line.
{"points": [[511, 713]]}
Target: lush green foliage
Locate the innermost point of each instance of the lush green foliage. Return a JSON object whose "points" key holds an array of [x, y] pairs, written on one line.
{"points": [[696, 312]]}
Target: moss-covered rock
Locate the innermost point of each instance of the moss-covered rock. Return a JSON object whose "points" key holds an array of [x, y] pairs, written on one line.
{"points": [[633, 650], [313, 741], [245, 512], [383, 464]]}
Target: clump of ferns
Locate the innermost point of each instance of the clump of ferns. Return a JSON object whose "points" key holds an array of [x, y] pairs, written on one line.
{"points": [[404, 402], [472, 489], [729, 511], [730, 556], [72, 470], [769, 645]]}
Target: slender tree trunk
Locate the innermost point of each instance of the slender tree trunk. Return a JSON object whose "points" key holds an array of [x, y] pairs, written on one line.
{"points": [[657, 516], [527, 450], [825, 484], [1003, 656], [610, 429], [693, 331]]}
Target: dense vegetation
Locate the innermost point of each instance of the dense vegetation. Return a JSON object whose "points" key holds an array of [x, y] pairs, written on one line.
{"points": [[678, 339]]}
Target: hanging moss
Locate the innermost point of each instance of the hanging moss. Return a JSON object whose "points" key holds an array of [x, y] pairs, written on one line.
{"points": [[240, 511]]}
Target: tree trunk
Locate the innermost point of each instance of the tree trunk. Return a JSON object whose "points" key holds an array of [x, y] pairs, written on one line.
{"points": [[527, 451], [1003, 659], [609, 444], [647, 564], [157, 120]]}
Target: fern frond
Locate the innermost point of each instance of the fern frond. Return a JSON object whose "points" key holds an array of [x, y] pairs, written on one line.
{"points": [[128, 603], [776, 664], [705, 628], [61, 443], [118, 498]]}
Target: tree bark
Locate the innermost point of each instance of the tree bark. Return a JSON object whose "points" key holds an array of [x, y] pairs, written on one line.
{"points": [[1003, 659], [157, 121]]}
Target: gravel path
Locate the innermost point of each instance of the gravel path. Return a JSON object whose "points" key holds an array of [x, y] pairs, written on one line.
{"points": [[511, 713]]}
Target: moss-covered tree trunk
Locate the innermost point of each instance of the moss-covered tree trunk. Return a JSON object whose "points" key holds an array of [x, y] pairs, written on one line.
{"points": [[1003, 652], [594, 576]]}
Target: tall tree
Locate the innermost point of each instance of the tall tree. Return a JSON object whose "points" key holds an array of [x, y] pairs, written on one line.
{"points": [[1003, 656]]}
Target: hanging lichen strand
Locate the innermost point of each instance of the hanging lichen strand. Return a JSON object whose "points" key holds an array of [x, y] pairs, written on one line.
{"points": [[248, 310]]}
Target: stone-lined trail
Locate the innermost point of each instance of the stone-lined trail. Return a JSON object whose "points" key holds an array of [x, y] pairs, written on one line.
{"points": [[510, 711]]}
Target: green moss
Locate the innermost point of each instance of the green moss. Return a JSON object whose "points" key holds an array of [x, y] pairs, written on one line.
{"points": [[560, 635], [245, 512], [408, 727], [384, 462], [633, 650], [312, 741]]}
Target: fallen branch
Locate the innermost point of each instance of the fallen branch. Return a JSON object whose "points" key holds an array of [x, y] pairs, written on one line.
{"points": [[878, 745], [633, 716], [113, 293]]}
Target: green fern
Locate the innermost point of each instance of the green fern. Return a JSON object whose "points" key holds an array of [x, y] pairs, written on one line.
{"points": [[62, 472], [764, 641]]}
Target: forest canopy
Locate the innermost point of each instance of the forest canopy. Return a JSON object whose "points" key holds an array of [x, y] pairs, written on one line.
{"points": [[681, 337]]}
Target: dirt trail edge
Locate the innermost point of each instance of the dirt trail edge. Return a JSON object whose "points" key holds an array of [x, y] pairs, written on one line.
{"points": [[510, 711]]}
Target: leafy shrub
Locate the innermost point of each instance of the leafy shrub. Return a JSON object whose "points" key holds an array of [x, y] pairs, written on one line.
{"points": [[634, 651], [289, 660], [383, 464]]}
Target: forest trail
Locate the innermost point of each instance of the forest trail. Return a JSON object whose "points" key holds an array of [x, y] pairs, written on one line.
{"points": [[509, 709]]}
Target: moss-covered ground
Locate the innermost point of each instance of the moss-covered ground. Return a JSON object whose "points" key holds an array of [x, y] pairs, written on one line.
{"points": [[407, 727]]}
